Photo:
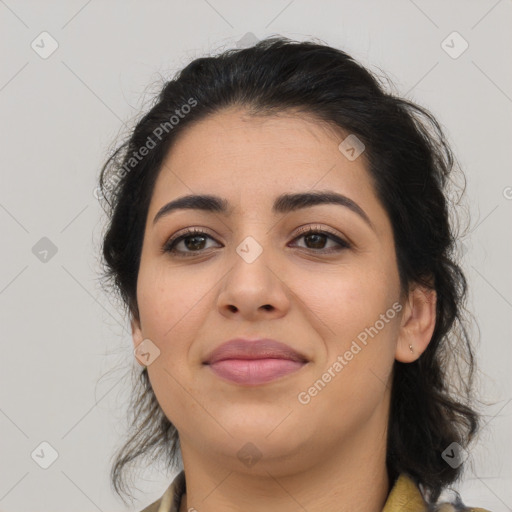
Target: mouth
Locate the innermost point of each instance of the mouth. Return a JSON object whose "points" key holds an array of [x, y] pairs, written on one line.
{"points": [[254, 362]]}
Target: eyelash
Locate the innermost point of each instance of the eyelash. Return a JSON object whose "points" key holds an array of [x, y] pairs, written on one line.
{"points": [[191, 232]]}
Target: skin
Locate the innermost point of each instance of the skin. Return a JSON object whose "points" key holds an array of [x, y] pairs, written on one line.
{"points": [[328, 454]]}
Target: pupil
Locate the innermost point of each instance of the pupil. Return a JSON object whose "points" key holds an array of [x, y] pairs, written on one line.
{"points": [[195, 244], [318, 238]]}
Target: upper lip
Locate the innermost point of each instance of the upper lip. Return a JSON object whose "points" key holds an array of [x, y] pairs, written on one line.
{"points": [[263, 348]]}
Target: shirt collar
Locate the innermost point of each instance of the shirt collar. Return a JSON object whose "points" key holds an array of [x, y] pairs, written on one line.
{"points": [[405, 496]]}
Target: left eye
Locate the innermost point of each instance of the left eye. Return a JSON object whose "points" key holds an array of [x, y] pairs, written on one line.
{"points": [[195, 240], [318, 237]]}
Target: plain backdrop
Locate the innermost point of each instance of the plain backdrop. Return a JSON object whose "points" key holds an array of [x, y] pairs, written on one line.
{"points": [[72, 75]]}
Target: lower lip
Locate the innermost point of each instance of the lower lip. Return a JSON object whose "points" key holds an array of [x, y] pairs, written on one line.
{"points": [[254, 371]]}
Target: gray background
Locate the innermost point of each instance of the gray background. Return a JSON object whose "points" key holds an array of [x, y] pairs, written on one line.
{"points": [[66, 348]]}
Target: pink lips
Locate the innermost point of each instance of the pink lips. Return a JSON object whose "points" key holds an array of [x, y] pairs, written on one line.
{"points": [[253, 362]]}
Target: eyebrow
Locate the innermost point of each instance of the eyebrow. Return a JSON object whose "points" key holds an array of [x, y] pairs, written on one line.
{"points": [[284, 203]]}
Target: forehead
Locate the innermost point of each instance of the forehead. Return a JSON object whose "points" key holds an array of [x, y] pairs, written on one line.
{"points": [[231, 149], [250, 161]]}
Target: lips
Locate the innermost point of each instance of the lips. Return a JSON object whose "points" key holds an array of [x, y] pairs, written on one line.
{"points": [[254, 362], [240, 348]]}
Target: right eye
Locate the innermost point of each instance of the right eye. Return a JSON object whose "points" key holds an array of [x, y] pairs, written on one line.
{"points": [[193, 239]]}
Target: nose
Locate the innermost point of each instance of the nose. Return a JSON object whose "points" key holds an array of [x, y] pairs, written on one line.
{"points": [[254, 288]]}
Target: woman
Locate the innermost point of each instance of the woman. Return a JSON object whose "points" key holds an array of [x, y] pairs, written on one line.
{"points": [[279, 234]]}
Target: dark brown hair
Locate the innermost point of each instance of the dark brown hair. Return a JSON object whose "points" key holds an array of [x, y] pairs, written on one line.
{"points": [[411, 165]]}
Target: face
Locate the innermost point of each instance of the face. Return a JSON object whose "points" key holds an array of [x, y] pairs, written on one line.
{"points": [[332, 295]]}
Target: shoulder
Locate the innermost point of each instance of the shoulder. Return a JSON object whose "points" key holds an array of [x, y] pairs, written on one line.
{"points": [[407, 491], [154, 507], [171, 499]]}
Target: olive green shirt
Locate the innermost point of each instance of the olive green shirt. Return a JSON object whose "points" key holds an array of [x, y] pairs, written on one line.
{"points": [[405, 496]]}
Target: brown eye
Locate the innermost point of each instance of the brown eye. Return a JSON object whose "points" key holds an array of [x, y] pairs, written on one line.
{"points": [[194, 241], [316, 239]]}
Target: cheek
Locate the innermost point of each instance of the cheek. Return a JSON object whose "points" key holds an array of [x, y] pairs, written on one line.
{"points": [[352, 376], [345, 300], [170, 300], [352, 309], [172, 306]]}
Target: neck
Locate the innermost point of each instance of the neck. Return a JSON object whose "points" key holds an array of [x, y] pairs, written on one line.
{"points": [[352, 478]]}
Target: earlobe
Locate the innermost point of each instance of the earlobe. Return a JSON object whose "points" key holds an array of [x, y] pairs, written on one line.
{"points": [[418, 323], [137, 336]]}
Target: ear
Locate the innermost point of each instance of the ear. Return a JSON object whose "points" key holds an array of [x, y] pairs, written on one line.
{"points": [[418, 323], [136, 335]]}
